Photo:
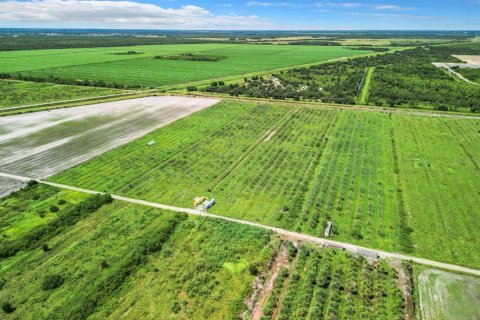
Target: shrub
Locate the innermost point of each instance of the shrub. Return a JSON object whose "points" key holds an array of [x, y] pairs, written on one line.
{"points": [[54, 208], [45, 247], [2, 283], [32, 183], [104, 264], [192, 88], [52, 282], [61, 202], [253, 269], [176, 307], [7, 307], [357, 234]]}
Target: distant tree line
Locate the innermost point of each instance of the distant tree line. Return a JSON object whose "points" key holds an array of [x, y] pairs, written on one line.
{"points": [[36, 42], [403, 78], [75, 82]]}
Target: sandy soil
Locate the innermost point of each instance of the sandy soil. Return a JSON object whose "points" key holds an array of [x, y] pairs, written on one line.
{"points": [[473, 60], [279, 262], [8, 185], [43, 143]]}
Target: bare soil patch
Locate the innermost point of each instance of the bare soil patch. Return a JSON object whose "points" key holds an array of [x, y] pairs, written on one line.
{"points": [[44, 143]]}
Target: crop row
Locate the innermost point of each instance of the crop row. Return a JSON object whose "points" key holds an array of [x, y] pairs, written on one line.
{"points": [[439, 173], [194, 171], [116, 168], [279, 169], [354, 186], [324, 284]]}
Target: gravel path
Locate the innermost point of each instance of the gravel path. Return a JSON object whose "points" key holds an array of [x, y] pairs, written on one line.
{"points": [[294, 236]]}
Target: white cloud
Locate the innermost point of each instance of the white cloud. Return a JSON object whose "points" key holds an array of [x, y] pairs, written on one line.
{"points": [[347, 5], [388, 7], [269, 4], [359, 5], [121, 13]]}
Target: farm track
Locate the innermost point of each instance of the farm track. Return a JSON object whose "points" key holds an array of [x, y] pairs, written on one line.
{"points": [[387, 110], [455, 74], [46, 104], [293, 236], [365, 88]]}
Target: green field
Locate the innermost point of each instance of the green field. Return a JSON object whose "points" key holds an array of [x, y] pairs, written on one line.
{"points": [[447, 296], [126, 261], [102, 64], [136, 262], [397, 182], [20, 93]]}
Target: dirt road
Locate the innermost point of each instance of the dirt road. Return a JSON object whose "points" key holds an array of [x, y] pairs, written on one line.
{"points": [[295, 236]]}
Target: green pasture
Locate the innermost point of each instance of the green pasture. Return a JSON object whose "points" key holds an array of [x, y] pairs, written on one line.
{"points": [[20, 93], [112, 262], [143, 70]]}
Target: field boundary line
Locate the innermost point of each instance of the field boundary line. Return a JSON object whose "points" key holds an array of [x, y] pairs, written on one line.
{"points": [[455, 74], [46, 104], [290, 235], [335, 106]]}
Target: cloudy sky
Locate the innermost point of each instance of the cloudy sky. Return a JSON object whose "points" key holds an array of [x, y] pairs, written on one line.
{"points": [[240, 15]]}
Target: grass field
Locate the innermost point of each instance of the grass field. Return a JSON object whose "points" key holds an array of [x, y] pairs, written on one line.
{"points": [[448, 296], [20, 93], [381, 179], [123, 261], [126, 261], [143, 70]]}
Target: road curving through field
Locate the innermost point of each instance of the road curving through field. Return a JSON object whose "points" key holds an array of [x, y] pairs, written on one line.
{"points": [[290, 235]]}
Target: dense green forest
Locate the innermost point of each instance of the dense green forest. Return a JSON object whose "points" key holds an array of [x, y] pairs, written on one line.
{"points": [[36, 42], [404, 78]]}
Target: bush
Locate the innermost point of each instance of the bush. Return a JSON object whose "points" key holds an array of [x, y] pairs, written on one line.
{"points": [[192, 88], [54, 208], [61, 202], [3, 282], [32, 183], [176, 307], [104, 264], [7, 307], [253, 269], [45, 247], [52, 282]]}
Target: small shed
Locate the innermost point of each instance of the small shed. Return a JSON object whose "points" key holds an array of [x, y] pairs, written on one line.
{"points": [[328, 229]]}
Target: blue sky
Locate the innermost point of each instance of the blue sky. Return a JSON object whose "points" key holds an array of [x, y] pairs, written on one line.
{"points": [[241, 15]]}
